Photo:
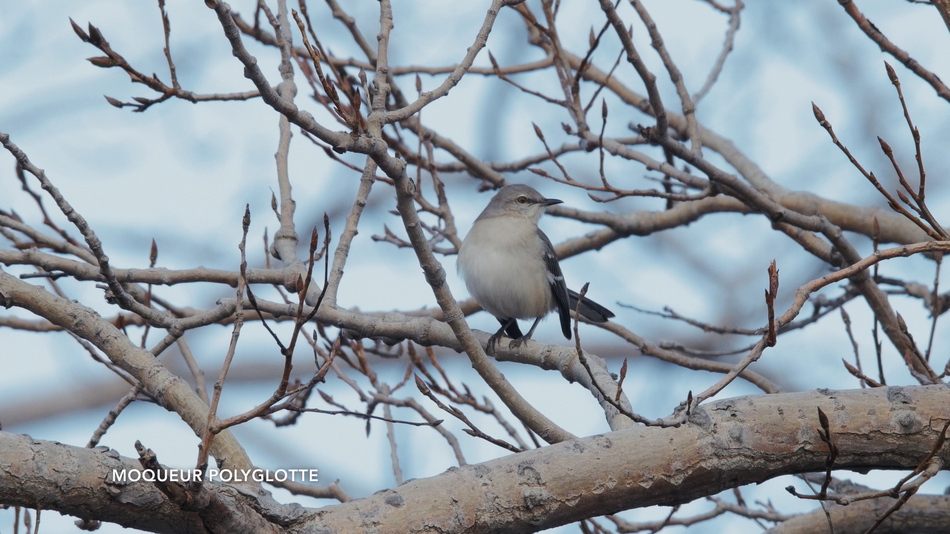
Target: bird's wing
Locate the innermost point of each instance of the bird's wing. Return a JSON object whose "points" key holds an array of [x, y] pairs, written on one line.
{"points": [[558, 287]]}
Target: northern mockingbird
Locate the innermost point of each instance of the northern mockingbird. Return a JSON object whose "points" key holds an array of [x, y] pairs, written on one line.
{"points": [[511, 270]]}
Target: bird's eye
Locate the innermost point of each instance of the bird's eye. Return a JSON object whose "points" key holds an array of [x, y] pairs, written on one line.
{"points": [[522, 199]]}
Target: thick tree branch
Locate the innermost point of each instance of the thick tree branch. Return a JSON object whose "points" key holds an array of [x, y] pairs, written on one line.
{"points": [[725, 444], [79, 482], [922, 514]]}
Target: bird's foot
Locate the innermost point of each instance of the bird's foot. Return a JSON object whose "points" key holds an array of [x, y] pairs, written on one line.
{"points": [[490, 347], [515, 343]]}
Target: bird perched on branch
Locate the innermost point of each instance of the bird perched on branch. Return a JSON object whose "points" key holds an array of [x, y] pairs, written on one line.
{"points": [[510, 267]]}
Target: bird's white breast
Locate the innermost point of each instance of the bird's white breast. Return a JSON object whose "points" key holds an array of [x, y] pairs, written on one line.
{"points": [[505, 271]]}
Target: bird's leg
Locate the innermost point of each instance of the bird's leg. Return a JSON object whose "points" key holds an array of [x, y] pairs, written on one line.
{"points": [[517, 342], [506, 324]]}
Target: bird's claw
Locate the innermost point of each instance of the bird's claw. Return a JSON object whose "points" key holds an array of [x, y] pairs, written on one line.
{"points": [[515, 343], [490, 347]]}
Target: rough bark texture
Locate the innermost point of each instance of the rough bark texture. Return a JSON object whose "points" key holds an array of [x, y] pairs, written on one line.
{"points": [[922, 514], [73, 480], [726, 444]]}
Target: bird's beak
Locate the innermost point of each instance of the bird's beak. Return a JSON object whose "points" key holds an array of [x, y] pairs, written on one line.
{"points": [[551, 201]]}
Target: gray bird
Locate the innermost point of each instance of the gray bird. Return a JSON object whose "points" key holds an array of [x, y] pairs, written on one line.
{"points": [[510, 267]]}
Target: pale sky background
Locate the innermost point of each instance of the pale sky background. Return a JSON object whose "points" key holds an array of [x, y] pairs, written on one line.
{"points": [[182, 173]]}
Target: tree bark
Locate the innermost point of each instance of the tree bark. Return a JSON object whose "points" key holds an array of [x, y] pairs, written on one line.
{"points": [[922, 514], [726, 444]]}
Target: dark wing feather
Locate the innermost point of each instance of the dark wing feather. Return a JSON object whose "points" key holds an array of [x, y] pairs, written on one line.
{"points": [[558, 287]]}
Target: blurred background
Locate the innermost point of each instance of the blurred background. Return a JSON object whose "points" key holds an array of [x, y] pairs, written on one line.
{"points": [[181, 174]]}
